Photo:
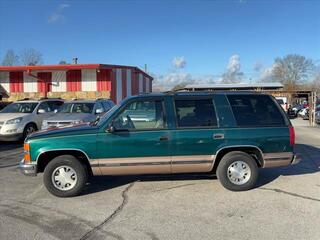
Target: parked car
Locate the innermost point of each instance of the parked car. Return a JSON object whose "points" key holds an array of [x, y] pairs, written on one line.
{"points": [[76, 112], [297, 108], [318, 117], [230, 134], [19, 119], [282, 102], [3, 104], [302, 112]]}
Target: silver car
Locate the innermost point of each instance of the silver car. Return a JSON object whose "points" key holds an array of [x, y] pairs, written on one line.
{"points": [[19, 119], [76, 112]]}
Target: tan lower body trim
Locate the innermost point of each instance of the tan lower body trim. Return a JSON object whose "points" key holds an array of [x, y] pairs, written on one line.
{"points": [[152, 165], [277, 159]]}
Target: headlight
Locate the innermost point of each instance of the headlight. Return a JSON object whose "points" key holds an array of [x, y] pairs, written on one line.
{"points": [[14, 121]]}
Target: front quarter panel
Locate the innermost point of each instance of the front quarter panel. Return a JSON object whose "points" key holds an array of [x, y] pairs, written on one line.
{"points": [[85, 142]]}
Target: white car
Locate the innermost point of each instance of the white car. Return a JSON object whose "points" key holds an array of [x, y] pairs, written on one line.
{"points": [[21, 118], [302, 112]]}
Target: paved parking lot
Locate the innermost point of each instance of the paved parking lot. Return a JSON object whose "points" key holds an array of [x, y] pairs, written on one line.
{"points": [[284, 205]]}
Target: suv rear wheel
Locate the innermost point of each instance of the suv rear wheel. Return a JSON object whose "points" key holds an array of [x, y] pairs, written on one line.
{"points": [[237, 171], [65, 176]]}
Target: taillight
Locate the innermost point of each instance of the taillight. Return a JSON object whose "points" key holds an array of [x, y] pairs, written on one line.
{"points": [[26, 148], [292, 135]]}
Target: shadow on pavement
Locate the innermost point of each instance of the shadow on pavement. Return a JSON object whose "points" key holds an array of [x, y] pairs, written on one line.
{"points": [[10, 145], [309, 164]]}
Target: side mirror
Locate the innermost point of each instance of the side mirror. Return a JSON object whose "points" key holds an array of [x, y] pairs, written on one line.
{"points": [[99, 111], [111, 129], [41, 111]]}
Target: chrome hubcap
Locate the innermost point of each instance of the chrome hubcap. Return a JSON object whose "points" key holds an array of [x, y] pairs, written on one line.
{"points": [[239, 172], [64, 178]]}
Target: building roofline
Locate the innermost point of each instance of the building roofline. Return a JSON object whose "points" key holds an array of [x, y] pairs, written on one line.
{"points": [[70, 67]]}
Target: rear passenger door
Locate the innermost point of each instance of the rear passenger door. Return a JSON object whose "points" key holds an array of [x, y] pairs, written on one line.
{"points": [[196, 136]]}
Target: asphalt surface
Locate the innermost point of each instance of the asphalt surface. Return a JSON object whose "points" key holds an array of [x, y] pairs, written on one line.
{"points": [[284, 205]]}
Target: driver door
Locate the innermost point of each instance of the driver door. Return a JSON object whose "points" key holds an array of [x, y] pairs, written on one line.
{"points": [[138, 142]]}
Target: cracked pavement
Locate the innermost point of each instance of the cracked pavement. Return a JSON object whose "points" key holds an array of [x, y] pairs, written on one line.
{"points": [[285, 204]]}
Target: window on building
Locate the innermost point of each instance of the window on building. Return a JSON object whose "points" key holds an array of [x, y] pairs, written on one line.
{"points": [[141, 115], [195, 113], [255, 110]]}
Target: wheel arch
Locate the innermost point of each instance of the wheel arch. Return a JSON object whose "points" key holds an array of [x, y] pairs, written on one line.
{"points": [[46, 156], [252, 150]]}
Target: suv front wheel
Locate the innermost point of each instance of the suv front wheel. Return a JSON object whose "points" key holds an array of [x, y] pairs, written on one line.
{"points": [[65, 176], [237, 171]]}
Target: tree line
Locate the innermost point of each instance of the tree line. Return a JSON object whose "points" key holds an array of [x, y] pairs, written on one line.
{"points": [[26, 57]]}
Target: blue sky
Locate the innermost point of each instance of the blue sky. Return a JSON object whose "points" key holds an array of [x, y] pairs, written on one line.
{"points": [[205, 33]]}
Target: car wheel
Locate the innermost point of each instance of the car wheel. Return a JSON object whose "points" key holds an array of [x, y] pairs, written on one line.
{"points": [[30, 128], [65, 176], [237, 171]]}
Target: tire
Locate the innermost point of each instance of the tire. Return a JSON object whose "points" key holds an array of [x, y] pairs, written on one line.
{"points": [[74, 176], [237, 171], [28, 129]]}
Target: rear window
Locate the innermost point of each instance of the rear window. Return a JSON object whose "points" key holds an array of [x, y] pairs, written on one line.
{"points": [[195, 113], [255, 110]]}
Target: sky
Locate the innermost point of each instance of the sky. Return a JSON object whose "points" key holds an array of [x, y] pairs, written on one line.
{"points": [[194, 41]]}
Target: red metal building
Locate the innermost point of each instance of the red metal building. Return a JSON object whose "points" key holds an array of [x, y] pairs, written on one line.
{"points": [[73, 81]]}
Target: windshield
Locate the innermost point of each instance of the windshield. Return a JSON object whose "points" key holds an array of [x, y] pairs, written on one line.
{"points": [[76, 108], [101, 119], [20, 107]]}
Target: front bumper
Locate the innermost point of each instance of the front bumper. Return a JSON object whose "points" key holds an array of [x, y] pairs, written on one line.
{"points": [[28, 169], [11, 137]]}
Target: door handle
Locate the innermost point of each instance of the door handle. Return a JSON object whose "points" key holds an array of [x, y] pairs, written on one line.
{"points": [[164, 138], [218, 136]]}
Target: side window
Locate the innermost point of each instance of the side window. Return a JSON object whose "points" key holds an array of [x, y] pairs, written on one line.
{"points": [[255, 110], [141, 115], [45, 107], [98, 108], [54, 105], [195, 113]]}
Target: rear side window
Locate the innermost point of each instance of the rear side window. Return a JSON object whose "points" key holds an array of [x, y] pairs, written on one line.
{"points": [[255, 110], [195, 113]]}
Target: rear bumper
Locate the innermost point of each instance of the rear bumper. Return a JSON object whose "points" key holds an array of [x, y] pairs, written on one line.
{"points": [[28, 169], [280, 159]]}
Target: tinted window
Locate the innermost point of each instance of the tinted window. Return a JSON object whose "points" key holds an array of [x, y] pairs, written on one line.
{"points": [[44, 106], [255, 110], [195, 113], [141, 115], [54, 105], [26, 107]]}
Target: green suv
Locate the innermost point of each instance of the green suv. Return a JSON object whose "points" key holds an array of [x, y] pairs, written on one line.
{"points": [[230, 134]]}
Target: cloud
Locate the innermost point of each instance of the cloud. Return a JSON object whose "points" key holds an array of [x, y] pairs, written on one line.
{"points": [[234, 64], [233, 73], [266, 74], [57, 15], [179, 62], [257, 66], [165, 82]]}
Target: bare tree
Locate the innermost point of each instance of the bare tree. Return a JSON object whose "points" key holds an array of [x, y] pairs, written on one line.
{"points": [[292, 70], [10, 59], [30, 56]]}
